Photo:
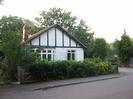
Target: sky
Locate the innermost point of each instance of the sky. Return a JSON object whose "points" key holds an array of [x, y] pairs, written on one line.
{"points": [[107, 18]]}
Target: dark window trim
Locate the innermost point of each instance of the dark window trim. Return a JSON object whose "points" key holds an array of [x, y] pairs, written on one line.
{"points": [[63, 39], [55, 37], [69, 42], [39, 40], [47, 38], [76, 44]]}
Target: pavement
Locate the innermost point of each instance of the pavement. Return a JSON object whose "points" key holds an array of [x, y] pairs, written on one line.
{"points": [[61, 83]]}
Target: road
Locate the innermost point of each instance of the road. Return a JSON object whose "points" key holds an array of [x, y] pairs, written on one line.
{"points": [[118, 88]]}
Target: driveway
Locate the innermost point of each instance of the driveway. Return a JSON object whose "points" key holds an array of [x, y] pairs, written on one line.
{"points": [[118, 87]]}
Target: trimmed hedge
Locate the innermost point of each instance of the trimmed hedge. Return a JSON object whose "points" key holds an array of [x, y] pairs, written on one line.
{"points": [[48, 70]]}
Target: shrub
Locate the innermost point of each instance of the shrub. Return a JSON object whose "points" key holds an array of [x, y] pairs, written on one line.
{"points": [[104, 68], [49, 70]]}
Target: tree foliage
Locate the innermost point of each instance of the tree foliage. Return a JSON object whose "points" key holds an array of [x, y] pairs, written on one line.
{"points": [[11, 23], [125, 48], [16, 53], [110, 51], [115, 46], [14, 23], [33, 27], [57, 16], [132, 40], [100, 48], [82, 32], [8, 27]]}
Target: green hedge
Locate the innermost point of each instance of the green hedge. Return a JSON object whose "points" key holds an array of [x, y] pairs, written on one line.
{"points": [[48, 70]]}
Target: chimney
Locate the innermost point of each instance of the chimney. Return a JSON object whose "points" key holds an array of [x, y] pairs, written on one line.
{"points": [[25, 30]]}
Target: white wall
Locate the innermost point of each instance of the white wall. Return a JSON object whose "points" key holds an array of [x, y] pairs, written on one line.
{"points": [[52, 37], [35, 41], [59, 37], [43, 39], [73, 43], [61, 53], [66, 40]]}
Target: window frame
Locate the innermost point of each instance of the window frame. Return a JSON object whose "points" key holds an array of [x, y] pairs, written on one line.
{"points": [[71, 54], [44, 51]]}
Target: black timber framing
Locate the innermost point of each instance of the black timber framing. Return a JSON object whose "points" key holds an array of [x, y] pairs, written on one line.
{"points": [[39, 40], [69, 42], [47, 38], [63, 39], [55, 37], [36, 46]]}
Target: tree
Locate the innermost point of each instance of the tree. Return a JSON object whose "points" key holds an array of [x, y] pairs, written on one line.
{"points": [[125, 49], [10, 27], [82, 32], [110, 51], [132, 40], [15, 23], [16, 53], [69, 22], [100, 48], [57, 16], [33, 27], [115, 46], [11, 23]]}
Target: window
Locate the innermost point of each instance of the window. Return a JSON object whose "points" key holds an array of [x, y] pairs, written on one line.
{"points": [[47, 54], [71, 55]]}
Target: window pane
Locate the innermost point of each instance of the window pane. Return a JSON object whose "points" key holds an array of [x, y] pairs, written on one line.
{"points": [[69, 51], [49, 51], [73, 51], [49, 57], [44, 51], [73, 56], [44, 56], [68, 56]]}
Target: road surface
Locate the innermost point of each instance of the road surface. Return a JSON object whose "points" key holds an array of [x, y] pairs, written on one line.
{"points": [[118, 88]]}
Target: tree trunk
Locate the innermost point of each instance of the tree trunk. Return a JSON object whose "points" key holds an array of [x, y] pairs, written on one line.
{"points": [[19, 74]]}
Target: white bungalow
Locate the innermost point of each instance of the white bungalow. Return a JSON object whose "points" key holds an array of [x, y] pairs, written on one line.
{"points": [[55, 43]]}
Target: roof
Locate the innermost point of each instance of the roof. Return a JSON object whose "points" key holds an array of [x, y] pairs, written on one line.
{"points": [[54, 26]]}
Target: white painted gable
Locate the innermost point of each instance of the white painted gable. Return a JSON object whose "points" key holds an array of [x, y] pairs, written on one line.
{"points": [[54, 37], [59, 37], [35, 41], [51, 37], [43, 40]]}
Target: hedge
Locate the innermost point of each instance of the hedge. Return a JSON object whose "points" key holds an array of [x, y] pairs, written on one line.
{"points": [[49, 70]]}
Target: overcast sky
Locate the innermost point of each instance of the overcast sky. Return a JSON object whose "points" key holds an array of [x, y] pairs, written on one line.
{"points": [[107, 18]]}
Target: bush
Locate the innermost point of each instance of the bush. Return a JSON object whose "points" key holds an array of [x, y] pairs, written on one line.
{"points": [[49, 70], [104, 68]]}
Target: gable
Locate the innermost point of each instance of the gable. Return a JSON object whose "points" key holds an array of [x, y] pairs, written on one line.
{"points": [[54, 37]]}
